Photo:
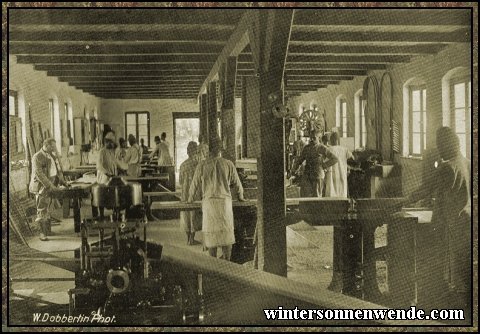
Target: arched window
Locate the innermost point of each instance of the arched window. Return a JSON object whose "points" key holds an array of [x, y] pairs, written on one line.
{"points": [[360, 123], [341, 115], [457, 105], [415, 117]]}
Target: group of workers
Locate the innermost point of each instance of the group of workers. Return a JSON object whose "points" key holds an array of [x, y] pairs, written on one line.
{"points": [[322, 166], [208, 176]]}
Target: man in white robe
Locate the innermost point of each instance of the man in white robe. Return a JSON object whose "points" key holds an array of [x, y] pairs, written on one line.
{"points": [[215, 175]]}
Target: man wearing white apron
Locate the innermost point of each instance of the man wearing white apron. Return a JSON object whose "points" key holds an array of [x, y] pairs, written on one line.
{"points": [[215, 175]]}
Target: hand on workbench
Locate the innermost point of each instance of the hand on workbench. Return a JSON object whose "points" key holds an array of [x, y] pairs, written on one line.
{"points": [[242, 199]]}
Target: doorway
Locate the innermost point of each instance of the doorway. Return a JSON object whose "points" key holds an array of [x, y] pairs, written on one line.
{"points": [[186, 128]]}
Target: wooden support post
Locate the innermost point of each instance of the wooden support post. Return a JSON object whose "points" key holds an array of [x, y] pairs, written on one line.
{"points": [[271, 51], [244, 117], [212, 111], [228, 109], [203, 116]]}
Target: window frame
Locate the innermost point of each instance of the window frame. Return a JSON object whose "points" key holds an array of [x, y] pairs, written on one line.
{"points": [[343, 117], [136, 113], [423, 119], [14, 94], [19, 152], [467, 110], [363, 120]]}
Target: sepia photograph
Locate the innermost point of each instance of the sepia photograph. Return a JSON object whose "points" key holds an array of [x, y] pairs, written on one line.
{"points": [[213, 165]]}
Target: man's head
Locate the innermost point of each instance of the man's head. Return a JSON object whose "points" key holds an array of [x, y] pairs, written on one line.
{"points": [[191, 148], [110, 140], [142, 141], [448, 144], [314, 134], [334, 140], [201, 138], [157, 139], [325, 139], [215, 146], [49, 145], [164, 136], [121, 142], [131, 140]]}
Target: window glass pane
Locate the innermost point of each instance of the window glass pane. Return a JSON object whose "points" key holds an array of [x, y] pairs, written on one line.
{"points": [[459, 91], [463, 144], [142, 119], [131, 129], [416, 122], [131, 119], [364, 139], [469, 95], [416, 143], [11, 105], [424, 104], [416, 100], [424, 122], [460, 126]]}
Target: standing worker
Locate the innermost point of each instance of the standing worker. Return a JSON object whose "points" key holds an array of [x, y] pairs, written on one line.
{"points": [[162, 151], [451, 215], [46, 175], [336, 177], [214, 176], [314, 154], [108, 166], [337, 186], [133, 157], [190, 221]]}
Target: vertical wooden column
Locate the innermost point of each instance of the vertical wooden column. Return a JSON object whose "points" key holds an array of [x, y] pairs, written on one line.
{"points": [[203, 116], [244, 117], [212, 124], [272, 40], [228, 109]]}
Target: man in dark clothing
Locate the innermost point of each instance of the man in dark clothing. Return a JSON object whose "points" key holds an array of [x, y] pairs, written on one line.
{"points": [[317, 158]]}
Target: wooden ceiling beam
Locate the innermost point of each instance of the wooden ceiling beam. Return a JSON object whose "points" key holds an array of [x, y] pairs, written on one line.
{"points": [[21, 48], [365, 49], [120, 16], [128, 85], [318, 37], [352, 58], [205, 34], [235, 45], [138, 89], [319, 77], [132, 80], [123, 67], [297, 72], [337, 66], [291, 88], [381, 17], [307, 82], [115, 59], [124, 59], [159, 74]]}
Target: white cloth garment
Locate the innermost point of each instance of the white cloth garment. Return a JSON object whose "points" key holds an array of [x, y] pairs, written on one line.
{"points": [[336, 176], [215, 175]]}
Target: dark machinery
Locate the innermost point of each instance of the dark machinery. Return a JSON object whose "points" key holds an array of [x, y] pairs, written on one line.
{"points": [[122, 275]]}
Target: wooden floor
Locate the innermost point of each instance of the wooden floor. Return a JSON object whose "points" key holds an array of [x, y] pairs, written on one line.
{"points": [[309, 255]]}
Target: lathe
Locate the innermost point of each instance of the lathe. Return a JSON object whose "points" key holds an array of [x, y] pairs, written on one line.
{"points": [[122, 274]]}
